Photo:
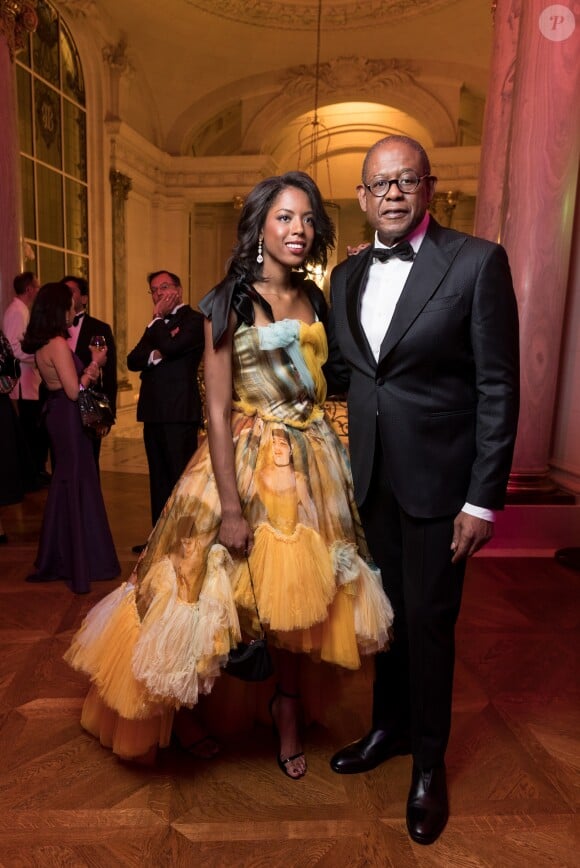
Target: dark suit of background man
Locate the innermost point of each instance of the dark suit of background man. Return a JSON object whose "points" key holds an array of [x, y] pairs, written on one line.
{"points": [[85, 327], [168, 356], [430, 347]]}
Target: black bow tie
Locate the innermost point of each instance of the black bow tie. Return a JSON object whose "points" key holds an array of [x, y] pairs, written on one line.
{"points": [[77, 319], [401, 251], [169, 316]]}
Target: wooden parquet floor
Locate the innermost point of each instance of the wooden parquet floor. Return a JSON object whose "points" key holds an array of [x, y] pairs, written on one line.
{"points": [[513, 760]]}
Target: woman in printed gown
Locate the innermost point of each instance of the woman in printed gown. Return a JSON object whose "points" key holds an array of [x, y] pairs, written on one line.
{"points": [[75, 541], [269, 492]]}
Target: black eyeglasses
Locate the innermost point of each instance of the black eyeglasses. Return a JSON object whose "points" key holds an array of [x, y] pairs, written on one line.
{"points": [[407, 182], [161, 288]]}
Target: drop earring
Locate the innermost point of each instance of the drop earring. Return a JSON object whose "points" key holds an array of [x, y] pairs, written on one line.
{"points": [[259, 257]]}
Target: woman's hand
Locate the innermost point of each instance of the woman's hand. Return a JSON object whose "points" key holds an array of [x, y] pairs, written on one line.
{"points": [[92, 371], [99, 355], [236, 534]]}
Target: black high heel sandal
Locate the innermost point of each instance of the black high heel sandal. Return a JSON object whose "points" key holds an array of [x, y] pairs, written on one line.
{"points": [[283, 763]]}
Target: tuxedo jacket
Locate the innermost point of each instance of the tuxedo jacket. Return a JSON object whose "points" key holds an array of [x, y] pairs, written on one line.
{"points": [[91, 326], [443, 396], [169, 390]]}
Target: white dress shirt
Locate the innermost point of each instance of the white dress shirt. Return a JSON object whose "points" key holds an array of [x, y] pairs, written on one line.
{"points": [[385, 284], [16, 317]]}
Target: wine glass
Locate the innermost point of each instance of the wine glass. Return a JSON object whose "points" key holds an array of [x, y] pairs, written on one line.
{"points": [[98, 342]]}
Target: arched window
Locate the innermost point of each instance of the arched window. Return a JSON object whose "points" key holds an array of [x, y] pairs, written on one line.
{"points": [[53, 150]]}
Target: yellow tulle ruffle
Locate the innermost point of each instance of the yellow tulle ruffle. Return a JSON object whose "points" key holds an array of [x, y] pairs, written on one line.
{"points": [[337, 613], [142, 667]]}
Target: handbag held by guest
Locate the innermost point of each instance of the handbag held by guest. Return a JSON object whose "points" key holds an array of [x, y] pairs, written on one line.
{"points": [[95, 409], [251, 661], [9, 367]]}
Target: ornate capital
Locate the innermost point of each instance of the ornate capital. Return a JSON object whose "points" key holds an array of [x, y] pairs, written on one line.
{"points": [[116, 57], [120, 185], [348, 72], [17, 19]]}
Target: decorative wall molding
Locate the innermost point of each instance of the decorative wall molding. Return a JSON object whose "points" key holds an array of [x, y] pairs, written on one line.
{"points": [[18, 18], [302, 14], [209, 179]]}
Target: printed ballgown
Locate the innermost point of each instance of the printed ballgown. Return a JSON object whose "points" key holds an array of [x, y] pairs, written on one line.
{"points": [[160, 640]]}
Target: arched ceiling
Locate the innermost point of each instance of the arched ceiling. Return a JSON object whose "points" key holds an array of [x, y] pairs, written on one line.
{"points": [[212, 77]]}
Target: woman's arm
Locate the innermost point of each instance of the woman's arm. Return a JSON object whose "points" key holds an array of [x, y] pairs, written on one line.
{"points": [[235, 532]]}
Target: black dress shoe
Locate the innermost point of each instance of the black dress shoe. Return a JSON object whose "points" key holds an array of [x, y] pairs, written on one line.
{"points": [[138, 549], [427, 806], [369, 752]]}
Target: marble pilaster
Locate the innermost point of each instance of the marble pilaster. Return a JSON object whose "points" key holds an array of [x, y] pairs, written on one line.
{"points": [[120, 187]]}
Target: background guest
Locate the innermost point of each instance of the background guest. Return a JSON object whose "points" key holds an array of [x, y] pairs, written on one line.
{"points": [[11, 454], [75, 540], [168, 355], [85, 327], [26, 392]]}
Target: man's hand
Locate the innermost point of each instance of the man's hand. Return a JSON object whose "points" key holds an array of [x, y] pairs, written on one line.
{"points": [[469, 535], [166, 303]]}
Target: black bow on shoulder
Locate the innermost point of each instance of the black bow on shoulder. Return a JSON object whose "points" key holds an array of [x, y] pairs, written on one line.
{"points": [[403, 250]]}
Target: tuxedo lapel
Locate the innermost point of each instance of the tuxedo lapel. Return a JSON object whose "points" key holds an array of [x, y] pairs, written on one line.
{"points": [[355, 283], [432, 263], [83, 338]]}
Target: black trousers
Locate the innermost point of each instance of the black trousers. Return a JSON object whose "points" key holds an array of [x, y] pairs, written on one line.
{"points": [[35, 438], [169, 446], [414, 678]]}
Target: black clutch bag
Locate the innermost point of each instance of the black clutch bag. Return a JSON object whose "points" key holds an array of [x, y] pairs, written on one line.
{"points": [[9, 367], [95, 410], [251, 661]]}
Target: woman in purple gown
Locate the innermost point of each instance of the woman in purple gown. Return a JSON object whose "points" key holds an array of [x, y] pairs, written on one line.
{"points": [[75, 541]]}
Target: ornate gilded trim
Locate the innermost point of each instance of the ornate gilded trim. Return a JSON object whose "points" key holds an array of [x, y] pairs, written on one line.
{"points": [[303, 14], [18, 18]]}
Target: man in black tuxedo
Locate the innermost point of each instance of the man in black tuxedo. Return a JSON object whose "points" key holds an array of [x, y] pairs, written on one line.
{"points": [[85, 327], [428, 338], [168, 356]]}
